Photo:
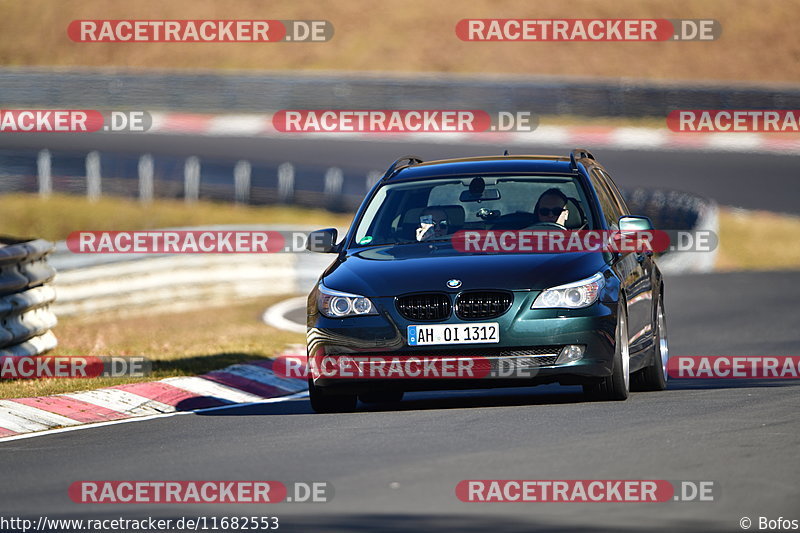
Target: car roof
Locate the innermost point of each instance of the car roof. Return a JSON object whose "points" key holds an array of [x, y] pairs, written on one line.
{"points": [[525, 164]]}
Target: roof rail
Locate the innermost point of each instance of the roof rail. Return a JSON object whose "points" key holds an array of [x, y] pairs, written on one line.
{"points": [[412, 160], [579, 153]]}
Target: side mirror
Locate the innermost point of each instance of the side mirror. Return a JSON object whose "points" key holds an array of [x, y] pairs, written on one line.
{"points": [[322, 241], [635, 223]]}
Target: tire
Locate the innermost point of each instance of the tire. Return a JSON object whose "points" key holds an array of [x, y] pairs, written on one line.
{"points": [[617, 386], [330, 403], [654, 376], [381, 397]]}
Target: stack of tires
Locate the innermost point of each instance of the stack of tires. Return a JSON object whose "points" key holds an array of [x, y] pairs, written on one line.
{"points": [[26, 293]]}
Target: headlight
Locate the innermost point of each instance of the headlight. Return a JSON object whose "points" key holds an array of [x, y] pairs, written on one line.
{"points": [[572, 295], [335, 304]]}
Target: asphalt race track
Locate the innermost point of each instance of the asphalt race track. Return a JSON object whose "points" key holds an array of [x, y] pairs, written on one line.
{"points": [[396, 469], [752, 181]]}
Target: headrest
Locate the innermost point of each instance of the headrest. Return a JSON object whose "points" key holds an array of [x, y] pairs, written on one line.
{"points": [[412, 216], [574, 219], [455, 214]]}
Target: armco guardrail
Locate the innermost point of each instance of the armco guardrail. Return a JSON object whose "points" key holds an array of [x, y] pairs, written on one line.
{"points": [[25, 297], [259, 92], [290, 182]]}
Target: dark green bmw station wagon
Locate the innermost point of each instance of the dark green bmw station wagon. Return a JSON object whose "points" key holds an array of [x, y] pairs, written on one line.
{"points": [[411, 308]]}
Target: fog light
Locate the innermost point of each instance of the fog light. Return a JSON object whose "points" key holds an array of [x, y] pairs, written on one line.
{"points": [[570, 353]]}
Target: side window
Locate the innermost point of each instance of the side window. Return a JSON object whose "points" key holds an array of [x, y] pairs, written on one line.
{"points": [[611, 210], [617, 195]]}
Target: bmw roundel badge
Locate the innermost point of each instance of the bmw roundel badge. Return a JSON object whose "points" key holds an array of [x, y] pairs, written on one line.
{"points": [[454, 283]]}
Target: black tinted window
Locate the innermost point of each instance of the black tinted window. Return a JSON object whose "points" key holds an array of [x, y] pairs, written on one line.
{"points": [[617, 195], [509, 202], [611, 208]]}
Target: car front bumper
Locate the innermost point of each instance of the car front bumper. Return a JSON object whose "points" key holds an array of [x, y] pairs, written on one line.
{"points": [[536, 335]]}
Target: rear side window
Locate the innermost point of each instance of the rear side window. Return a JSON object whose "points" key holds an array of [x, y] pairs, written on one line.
{"points": [[616, 193], [611, 208]]}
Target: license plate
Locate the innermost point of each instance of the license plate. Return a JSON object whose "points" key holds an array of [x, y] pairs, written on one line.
{"points": [[485, 332]]}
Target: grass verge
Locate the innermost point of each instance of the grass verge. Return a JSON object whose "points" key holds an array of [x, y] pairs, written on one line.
{"points": [[26, 215], [178, 344], [758, 240]]}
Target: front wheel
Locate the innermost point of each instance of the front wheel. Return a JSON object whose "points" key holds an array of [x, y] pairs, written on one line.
{"points": [[330, 403], [617, 386]]}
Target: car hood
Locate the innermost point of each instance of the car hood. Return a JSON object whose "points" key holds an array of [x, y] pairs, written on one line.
{"points": [[393, 270]]}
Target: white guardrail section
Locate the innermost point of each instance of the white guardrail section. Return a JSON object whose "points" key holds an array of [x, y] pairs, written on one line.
{"points": [[88, 283]]}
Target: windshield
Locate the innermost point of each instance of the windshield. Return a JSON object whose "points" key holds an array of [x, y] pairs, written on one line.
{"points": [[435, 209]]}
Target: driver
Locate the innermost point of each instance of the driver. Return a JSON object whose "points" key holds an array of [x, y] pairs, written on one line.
{"points": [[433, 224], [552, 207]]}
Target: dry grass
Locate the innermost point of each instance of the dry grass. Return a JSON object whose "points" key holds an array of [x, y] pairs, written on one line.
{"points": [[178, 344], [26, 215], [758, 44], [758, 240]]}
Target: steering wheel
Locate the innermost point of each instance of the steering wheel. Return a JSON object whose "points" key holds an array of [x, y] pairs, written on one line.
{"points": [[549, 224]]}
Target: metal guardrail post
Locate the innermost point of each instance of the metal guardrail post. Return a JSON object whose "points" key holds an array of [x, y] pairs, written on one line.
{"points": [[372, 178], [241, 181], [43, 171], [285, 182], [191, 179], [145, 170], [93, 176], [334, 179]]}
